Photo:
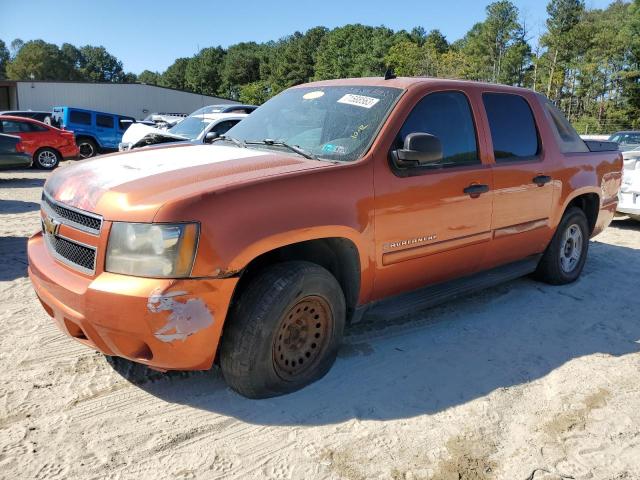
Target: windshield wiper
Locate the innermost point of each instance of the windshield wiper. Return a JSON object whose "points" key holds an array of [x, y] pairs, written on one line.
{"points": [[279, 143], [235, 141]]}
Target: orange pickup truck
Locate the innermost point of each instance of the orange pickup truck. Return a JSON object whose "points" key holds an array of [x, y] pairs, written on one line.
{"points": [[333, 201]]}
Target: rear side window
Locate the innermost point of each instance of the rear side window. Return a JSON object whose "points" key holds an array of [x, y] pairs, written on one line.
{"points": [[446, 115], [104, 121], [125, 122], [568, 139], [36, 128], [82, 118], [513, 129]]}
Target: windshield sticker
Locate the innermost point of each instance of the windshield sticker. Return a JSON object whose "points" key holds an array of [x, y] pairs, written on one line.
{"points": [[313, 95], [330, 148], [359, 130], [359, 100]]}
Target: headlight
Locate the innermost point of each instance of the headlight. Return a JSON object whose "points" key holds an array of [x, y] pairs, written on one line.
{"points": [[152, 250]]}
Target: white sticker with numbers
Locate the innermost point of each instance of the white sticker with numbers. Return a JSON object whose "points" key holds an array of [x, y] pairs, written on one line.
{"points": [[359, 100]]}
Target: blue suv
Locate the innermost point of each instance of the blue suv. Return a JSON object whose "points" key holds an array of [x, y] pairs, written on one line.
{"points": [[95, 132]]}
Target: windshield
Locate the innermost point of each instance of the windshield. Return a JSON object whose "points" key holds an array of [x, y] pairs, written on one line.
{"points": [[190, 127], [336, 123]]}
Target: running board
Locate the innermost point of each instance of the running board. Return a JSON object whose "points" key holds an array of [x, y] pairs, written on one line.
{"points": [[417, 300]]}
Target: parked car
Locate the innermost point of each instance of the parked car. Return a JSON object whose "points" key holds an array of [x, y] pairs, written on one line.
{"points": [[46, 144], [629, 198], [95, 132], [257, 250], [201, 128], [12, 152], [44, 117], [626, 140], [164, 120]]}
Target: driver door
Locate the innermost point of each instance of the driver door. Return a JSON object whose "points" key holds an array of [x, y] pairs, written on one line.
{"points": [[430, 226]]}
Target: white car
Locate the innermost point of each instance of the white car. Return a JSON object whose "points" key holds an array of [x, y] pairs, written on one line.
{"points": [[629, 197], [198, 128]]}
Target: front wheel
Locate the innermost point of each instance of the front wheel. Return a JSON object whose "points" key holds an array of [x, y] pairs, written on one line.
{"points": [[46, 159], [284, 330], [565, 256]]}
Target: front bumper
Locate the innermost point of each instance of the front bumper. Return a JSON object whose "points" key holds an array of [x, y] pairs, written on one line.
{"points": [[163, 323]]}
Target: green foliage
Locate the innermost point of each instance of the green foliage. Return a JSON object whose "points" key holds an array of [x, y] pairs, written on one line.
{"points": [[203, 72], [98, 65], [38, 60], [4, 59], [176, 75], [149, 77], [353, 51]]}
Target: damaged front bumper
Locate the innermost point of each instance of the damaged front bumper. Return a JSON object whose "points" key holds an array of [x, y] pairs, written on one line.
{"points": [[165, 324]]}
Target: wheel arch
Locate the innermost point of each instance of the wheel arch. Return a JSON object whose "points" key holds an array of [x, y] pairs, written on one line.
{"points": [[338, 254], [587, 201], [39, 149]]}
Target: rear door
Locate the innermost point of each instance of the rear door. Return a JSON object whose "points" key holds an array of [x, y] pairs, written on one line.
{"points": [[106, 130], [20, 128], [429, 226], [523, 185]]}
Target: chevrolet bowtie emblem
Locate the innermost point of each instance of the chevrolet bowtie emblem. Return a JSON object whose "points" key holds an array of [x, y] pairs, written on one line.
{"points": [[50, 226]]}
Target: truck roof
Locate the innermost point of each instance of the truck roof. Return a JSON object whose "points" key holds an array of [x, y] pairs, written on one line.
{"points": [[408, 82]]}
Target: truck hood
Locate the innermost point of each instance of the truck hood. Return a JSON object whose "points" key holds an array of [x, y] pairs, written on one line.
{"points": [[134, 185]]}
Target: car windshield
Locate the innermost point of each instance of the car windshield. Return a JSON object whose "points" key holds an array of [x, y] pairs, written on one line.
{"points": [[190, 127], [335, 123]]}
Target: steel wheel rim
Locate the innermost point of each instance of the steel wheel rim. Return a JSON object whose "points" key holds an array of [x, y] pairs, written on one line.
{"points": [[47, 159], [302, 337], [571, 248], [86, 150]]}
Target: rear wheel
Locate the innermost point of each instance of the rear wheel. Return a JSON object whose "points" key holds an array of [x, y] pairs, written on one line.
{"points": [[46, 159], [565, 256], [284, 330], [87, 147]]}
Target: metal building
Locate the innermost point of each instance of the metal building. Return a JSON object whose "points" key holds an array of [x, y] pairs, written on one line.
{"points": [[132, 99]]}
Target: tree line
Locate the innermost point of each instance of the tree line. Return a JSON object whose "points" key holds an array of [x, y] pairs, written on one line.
{"points": [[587, 61]]}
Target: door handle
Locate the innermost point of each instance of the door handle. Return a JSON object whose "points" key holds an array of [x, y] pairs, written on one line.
{"points": [[541, 180], [476, 189]]}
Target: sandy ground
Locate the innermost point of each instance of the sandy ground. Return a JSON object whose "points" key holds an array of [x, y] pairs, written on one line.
{"points": [[523, 381]]}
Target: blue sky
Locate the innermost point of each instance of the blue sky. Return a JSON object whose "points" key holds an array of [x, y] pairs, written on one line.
{"points": [[148, 34]]}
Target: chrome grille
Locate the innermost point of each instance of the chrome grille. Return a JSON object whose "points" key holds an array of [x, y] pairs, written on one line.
{"points": [[84, 221], [81, 257]]}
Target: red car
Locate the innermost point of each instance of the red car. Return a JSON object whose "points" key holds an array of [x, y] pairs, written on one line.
{"points": [[46, 144]]}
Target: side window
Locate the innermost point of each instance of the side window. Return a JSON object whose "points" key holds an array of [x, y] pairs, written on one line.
{"points": [[447, 115], [11, 126], [224, 127], [82, 118], [513, 129], [124, 123], [36, 128], [568, 139], [104, 121]]}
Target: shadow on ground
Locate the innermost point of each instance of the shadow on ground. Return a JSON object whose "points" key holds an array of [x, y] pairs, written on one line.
{"points": [[21, 182], [512, 334], [13, 258], [17, 206]]}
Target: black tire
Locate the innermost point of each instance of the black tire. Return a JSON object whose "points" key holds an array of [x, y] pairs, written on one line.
{"points": [[87, 147], [295, 309], [556, 266], [46, 158]]}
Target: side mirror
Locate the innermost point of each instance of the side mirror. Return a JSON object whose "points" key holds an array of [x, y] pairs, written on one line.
{"points": [[419, 149], [210, 137]]}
